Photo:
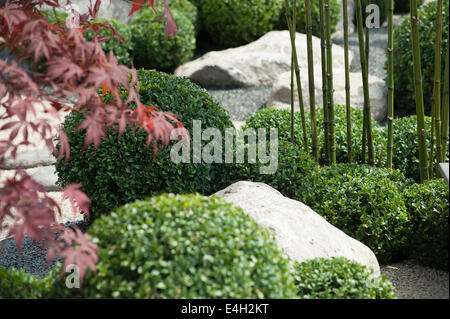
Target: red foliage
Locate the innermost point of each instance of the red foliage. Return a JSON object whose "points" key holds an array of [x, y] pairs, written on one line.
{"points": [[74, 68]]}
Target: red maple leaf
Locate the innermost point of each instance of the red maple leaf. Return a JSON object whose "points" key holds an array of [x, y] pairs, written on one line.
{"points": [[77, 197], [136, 5]]}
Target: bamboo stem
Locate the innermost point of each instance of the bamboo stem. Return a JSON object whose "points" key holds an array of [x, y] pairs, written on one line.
{"points": [[445, 103], [311, 84], [436, 101], [423, 156], [365, 78], [390, 117], [332, 138], [324, 81], [292, 79], [297, 76], [347, 84]]}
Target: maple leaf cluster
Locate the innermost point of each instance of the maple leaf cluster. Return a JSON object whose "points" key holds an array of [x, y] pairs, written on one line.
{"points": [[73, 68]]}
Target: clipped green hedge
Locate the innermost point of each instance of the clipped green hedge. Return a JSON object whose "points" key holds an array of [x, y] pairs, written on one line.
{"points": [[123, 170], [429, 209], [183, 246], [236, 22], [17, 284], [281, 119], [364, 202], [406, 152], [403, 63], [152, 49], [339, 278], [291, 177], [300, 25]]}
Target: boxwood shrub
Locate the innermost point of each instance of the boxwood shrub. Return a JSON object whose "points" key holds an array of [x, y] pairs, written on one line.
{"points": [[406, 152], [17, 284], [364, 202], [315, 16], [339, 278], [291, 177], [123, 170], [152, 49], [235, 22], [183, 246], [429, 210], [281, 119], [404, 81], [122, 50], [185, 7]]}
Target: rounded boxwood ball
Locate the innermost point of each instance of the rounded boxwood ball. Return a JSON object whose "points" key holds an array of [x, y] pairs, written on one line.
{"points": [[403, 62], [184, 246], [235, 22], [340, 278], [152, 49], [124, 169]]}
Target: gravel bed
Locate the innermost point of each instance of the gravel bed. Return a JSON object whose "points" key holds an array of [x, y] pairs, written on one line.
{"points": [[412, 281], [242, 102]]}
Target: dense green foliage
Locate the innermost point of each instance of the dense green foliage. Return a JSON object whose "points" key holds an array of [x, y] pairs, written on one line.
{"points": [[339, 278], [17, 284], [185, 7], [403, 62], [300, 25], [402, 6], [184, 246], [429, 209], [235, 22], [291, 177], [122, 50], [406, 153], [364, 202], [123, 170], [281, 119], [152, 49]]}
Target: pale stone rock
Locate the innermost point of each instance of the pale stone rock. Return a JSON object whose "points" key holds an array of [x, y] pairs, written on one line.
{"points": [[300, 232]]}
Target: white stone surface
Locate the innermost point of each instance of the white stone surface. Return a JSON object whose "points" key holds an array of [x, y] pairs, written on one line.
{"points": [[45, 175], [300, 232], [67, 213], [258, 63], [280, 96]]}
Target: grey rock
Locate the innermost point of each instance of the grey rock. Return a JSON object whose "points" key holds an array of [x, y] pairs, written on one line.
{"points": [[27, 159], [45, 175], [255, 64]]}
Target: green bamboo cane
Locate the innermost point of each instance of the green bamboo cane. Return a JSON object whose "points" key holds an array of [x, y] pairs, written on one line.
{"points": [[324, 80], [332, 139], [347, 83], [311, 84], [390, 117], [436, 103], [297, 76], [445, 103], [365, 78], [418, 88], [292, 75]]}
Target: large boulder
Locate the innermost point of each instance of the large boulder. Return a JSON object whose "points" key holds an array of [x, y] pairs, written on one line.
{"points": [[300, 232], [280, 95], [255, 64]]}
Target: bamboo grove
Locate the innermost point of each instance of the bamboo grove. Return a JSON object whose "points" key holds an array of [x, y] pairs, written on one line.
{"points": [[429, 156]]}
